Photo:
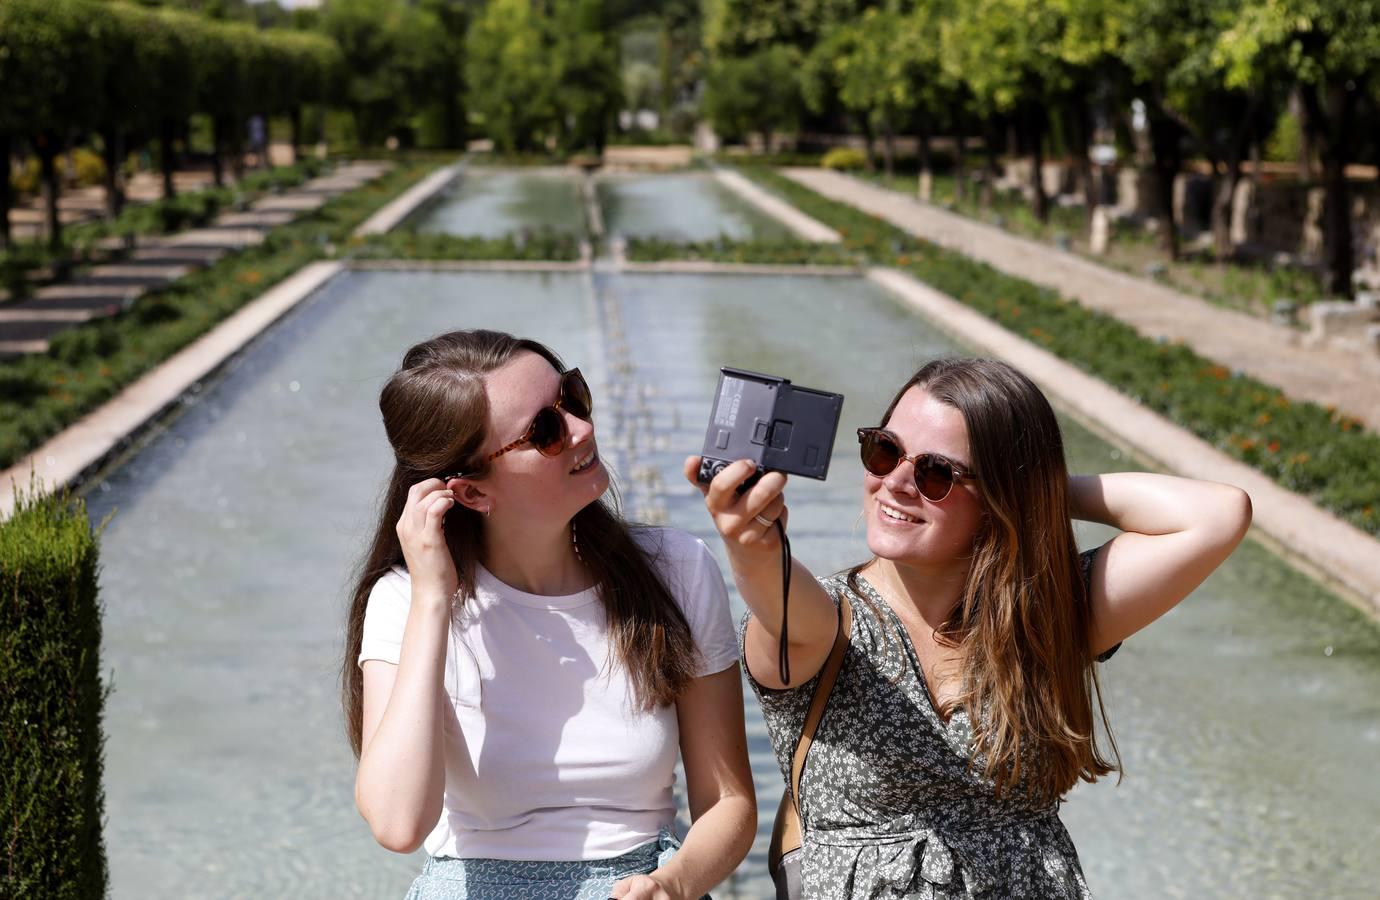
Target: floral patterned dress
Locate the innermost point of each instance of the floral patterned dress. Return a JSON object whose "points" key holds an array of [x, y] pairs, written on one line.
{"points": [[889, 804]]}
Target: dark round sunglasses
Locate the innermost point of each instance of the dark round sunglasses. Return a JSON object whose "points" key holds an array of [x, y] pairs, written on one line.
{"points": [[548, 432], [935, 475]]}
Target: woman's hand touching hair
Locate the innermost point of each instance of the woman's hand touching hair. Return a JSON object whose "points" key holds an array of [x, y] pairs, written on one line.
{"points": [[421, 531]]}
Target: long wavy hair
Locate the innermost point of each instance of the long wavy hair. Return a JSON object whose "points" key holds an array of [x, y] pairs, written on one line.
{"points": [[434, 412], [1022, 624]]}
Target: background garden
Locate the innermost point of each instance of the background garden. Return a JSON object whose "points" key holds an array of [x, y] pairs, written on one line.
{"points": [[1225, 148]]}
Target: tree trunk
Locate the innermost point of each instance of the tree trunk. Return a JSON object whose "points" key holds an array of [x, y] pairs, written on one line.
{"points": [[114, 153], [165, 154], [960, 157], [218, 150], [888, 147], [1255, 221], [1080, 126], [1335, 126], [925, 187], [6, 201], [989, 180], [1039, 202], [1224, 192], [295, 121], [869, 149], [1164, 141], [47, 147], [234, 134]]}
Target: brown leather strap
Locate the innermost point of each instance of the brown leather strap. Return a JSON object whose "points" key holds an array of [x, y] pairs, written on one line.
{"points": [[827, 676]]}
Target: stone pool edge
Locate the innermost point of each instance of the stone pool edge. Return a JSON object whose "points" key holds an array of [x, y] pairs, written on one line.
{"points": [[405, 204], [804, 226], [1320, 544]]}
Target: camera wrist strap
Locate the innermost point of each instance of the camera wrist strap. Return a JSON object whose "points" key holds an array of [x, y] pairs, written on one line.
{"points": [[783, 661]]}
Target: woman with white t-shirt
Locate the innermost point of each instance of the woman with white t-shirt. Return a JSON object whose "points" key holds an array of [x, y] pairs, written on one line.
{"points": [[522, 666]]}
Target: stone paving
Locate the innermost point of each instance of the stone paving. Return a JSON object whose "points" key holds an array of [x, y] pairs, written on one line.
{"points": [[1348, 380], [26, 326]]}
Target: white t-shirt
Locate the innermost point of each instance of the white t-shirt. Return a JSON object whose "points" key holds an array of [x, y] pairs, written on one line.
{"points": [[547, 755]]}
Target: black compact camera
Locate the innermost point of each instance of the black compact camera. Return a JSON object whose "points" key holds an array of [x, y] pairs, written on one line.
{"points": [[783, 428]]}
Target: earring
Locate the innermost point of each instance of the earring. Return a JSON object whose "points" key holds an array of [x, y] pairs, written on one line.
{"points": [[486, 511], [575, 541]]}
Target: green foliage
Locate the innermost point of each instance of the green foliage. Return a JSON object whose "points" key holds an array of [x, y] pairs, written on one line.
{"points": [[1316, 451], [89, 167], [586, 73], [1315, 41], [397, 58], [728, 250], [1284, 143], [51, 700], [54, 49], [504, 53], [544, 245], [844, 159], [736, 28], [754, 93], [878, 67]]}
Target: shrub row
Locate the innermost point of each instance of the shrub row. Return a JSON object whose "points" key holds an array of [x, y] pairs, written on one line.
{"points": [[540, 245], [88, 364], [728, 250], [51, 700], [1317, 451]]}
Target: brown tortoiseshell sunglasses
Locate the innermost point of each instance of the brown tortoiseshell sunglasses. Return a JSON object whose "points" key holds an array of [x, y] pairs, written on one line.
{"points": [[935, 475], [548, 432]]}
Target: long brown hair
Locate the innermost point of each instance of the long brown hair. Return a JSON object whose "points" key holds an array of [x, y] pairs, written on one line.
{"points": [[434, 412], [1022, 624]]}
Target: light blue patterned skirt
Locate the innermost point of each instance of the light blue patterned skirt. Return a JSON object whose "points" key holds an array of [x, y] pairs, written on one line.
{"points": [[446, 878]]}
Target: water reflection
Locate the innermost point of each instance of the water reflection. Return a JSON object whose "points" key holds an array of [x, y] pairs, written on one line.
{"points": [[495, 202], [689, 206]]}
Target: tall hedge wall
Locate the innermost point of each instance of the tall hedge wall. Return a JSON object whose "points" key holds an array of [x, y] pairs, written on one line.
{"points": [[51, 700]]}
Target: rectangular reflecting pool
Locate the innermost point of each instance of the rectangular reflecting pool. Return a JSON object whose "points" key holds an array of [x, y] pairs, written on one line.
{"points": [[487, 202], [688, 206], [1248, 719]]}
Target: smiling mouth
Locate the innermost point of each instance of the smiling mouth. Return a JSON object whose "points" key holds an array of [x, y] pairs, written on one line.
{"points": [[585, 463], [896, 515]]}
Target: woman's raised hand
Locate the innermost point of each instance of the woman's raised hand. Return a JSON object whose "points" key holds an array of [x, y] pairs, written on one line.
{"points": [[747, 521], [421, 531]]}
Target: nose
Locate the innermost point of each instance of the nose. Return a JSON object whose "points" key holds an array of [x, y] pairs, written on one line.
{"points": [[901, 480], [581, 431]]}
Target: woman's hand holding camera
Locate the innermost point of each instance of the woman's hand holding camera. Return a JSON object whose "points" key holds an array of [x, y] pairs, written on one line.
{"points": [[747, 521], [421, 531]]}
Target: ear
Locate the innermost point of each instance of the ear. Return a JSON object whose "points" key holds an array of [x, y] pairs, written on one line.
{"points": [[471, 494]]}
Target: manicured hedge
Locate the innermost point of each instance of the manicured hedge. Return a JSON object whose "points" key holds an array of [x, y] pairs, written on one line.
{"points": [[540, 245], [1316, 451], [88, 364], [727, 250], [51, 700]]}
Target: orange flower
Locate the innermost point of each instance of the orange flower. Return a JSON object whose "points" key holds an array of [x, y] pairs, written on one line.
{"points": [[1274, 446], [1262, 419]]}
